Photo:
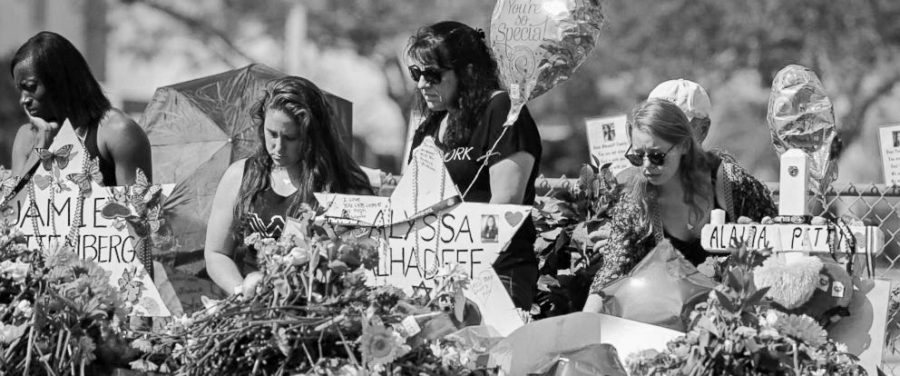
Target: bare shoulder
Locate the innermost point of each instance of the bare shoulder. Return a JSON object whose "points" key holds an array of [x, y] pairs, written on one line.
{"points": [[118, 124], [234, 174]]}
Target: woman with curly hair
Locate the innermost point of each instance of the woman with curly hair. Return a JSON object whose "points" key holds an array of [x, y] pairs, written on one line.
{"points": [[464, 111], [670, 192], [300, 154]]}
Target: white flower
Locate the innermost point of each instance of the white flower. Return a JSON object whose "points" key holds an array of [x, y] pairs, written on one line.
{"points": [[769, 319], [252, 238], [745, 331], [24, 308], [184, 321], [298, 256], [840, 347], [9, 333], [143, 365], [15, 270]]}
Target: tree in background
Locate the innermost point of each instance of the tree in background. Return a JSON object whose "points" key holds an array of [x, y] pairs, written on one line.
{"points": [[853, 45]]}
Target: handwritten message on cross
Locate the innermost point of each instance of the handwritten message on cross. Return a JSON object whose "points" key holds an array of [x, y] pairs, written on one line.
{"points": [[427, 226], [64, 203]]}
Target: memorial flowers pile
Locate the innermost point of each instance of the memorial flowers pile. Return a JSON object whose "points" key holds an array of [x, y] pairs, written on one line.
{"points": [[572, 225], [309, 310], [738, 332], [59, 315]]}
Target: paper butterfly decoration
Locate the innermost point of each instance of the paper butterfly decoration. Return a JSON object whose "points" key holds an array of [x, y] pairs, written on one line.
{"points": [[84, 179], [130, 286], [61, 156], [142, 189]]}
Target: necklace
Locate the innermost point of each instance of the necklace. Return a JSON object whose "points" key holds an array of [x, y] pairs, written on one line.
{"points": [[81, 135]]}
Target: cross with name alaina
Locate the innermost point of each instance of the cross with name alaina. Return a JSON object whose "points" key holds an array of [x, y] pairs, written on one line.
{"points": [[63, 203], [792, 201], [427, 226]]}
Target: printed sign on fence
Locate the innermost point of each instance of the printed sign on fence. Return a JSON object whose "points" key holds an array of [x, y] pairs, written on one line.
{"points": [[889, 139], [50, 208], [608, 141]]}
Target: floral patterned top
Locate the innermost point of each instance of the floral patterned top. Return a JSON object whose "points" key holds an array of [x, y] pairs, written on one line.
{"points": [[631, 237]]}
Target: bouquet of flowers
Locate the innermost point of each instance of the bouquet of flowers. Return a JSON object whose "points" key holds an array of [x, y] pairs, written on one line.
{"points": [[59, 314], [308, 310], [737, 332], [571, 226]]}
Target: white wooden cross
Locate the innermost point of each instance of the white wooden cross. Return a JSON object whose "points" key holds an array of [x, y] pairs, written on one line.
{"points": [[793, 197]]}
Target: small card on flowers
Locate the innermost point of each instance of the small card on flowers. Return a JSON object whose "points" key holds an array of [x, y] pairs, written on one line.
{"points": [[64, 200], [428, 229]]}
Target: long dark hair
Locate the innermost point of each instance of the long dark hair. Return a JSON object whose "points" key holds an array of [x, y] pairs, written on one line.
{"points": [[71, 87], [325, 164], [665, 120], [456, 46]]}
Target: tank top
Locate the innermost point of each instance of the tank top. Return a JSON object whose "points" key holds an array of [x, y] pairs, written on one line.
{"points": [[266, 216], [107, 167], [692, 249]]}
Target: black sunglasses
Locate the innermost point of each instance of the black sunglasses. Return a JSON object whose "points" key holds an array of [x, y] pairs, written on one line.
{"points": [[432, 76], [655, 157]]}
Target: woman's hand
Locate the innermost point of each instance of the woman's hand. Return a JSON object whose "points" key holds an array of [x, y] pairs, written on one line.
{"points": [[594, 303], [44, 131]]}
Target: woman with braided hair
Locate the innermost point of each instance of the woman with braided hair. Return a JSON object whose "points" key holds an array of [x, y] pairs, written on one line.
{"points": [[464, 109]]}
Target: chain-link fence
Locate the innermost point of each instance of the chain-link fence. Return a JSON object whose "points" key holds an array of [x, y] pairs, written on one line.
{"points": [[874, 204]]}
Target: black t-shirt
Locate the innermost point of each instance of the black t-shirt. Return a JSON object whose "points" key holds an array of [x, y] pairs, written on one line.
{"points": [[462, 163]]}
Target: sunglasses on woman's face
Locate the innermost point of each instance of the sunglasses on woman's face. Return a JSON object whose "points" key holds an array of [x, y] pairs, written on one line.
{"points": [[655, 157], [432, 75]]}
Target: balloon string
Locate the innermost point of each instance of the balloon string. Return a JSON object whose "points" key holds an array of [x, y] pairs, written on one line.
{"points": [[485, 157]]}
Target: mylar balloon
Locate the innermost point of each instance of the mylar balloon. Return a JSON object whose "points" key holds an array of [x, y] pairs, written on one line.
{"points": [[801, 117], [540, 43]]}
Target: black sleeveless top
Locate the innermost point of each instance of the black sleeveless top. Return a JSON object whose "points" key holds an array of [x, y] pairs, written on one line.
{"points": [[107, 167], [267, 216], [691, 249]]}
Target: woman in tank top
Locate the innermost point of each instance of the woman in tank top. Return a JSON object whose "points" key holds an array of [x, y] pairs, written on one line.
{"points": [[300, 154], [55, 84]]}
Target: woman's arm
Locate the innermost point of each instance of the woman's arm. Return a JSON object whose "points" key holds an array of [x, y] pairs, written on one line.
{"points": [[124, 142], [21, 148], [625, 248], [509, 177], [219, 248], [750, 197]]}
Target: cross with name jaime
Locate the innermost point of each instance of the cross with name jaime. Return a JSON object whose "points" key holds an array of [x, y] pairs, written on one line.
{"points": [[62, 202]]}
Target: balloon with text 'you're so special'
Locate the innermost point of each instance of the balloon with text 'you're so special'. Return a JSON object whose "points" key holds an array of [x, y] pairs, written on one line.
{"points": [[539, 44]]}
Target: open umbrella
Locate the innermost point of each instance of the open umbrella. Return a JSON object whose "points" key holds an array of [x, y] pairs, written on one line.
{"points": [[197, 129]]}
